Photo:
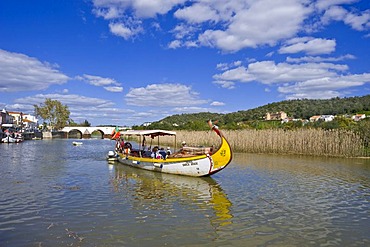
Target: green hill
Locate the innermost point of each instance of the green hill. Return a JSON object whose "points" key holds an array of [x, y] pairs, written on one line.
{"points": [[300, 108]]}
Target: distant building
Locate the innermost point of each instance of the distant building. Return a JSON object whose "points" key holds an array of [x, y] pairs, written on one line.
{"points": [[18, 120], [327, 118], [18, 117], [276, 116], [358, 117], [30, 123], [315, 118], [6, 118], [146, 124]]}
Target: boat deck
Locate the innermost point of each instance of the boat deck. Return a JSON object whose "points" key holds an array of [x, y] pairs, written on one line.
{"points": [[184, 152]]}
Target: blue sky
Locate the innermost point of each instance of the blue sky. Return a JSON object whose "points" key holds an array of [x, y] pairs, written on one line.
{"points": [[126, 62]]}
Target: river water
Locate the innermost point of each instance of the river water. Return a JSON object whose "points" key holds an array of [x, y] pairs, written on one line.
{"points": [[55, 194]]}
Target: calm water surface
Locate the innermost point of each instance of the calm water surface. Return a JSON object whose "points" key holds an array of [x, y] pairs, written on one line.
{"points": [[55, 194]]}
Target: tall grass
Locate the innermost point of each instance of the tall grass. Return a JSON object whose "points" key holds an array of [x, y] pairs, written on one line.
{"points": [[317, 142]]}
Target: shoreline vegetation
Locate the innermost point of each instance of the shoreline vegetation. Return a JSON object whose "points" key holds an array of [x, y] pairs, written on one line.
{"points": [[312, 142], [337, 127]]}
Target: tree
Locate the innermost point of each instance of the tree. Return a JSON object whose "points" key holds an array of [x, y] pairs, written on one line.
{"points": [[85, 123], [53, 112]]}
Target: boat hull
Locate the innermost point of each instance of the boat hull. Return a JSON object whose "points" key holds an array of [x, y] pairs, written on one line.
{"points": [[10, 139], [195, 166]]}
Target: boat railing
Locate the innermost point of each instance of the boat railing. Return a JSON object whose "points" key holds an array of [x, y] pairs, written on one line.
{"points": [[197, 150]]}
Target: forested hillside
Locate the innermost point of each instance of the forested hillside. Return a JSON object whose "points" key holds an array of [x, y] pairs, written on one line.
{"points": [[302, 108]]}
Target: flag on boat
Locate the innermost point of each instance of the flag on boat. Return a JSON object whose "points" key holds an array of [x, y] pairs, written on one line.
{"points": [[115, 133]]}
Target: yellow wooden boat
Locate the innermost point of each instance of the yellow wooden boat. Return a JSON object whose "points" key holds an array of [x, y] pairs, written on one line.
{"points": [[189, 161]]}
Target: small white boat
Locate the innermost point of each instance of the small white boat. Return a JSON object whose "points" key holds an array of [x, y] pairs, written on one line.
{"points": [[112, 156], [77, 143], [16, 138]]}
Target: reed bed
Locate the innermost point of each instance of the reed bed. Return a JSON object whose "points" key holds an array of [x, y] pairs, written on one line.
{"points": [[316, 142]]}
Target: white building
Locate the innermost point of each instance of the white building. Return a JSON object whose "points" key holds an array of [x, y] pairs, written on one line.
{"points": [[327, 118], [30, 123], [358, 117]]}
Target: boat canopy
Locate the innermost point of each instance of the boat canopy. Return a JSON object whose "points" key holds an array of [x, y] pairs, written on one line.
{"points": [[151, 133]]}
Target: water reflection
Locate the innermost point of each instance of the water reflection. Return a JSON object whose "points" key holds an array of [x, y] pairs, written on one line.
{"points": [[153, 190]]}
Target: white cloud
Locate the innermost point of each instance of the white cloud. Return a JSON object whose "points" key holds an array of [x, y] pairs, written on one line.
{"points": [[225, 84], [198, 13], [81, 107], [226, 66], [109, 84], [97, 80], [222, 66], [217, 103], [175, 44], [214, 11], [319, 59], [19, 72], [325, 4], [263, 22], [114, 89], [71, 100], [190, 44], [302, 80], [183, 30], [109, 13], [125, 30], [311, 46], [150, 8], [233, 25], [268, 72], [178, 43], [359, 21], [235, 74], [163, 95], [141, 8], [240, 24], [325, 87]]}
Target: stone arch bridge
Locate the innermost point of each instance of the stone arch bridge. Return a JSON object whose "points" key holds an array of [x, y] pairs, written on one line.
{"points": [[87, 132]]}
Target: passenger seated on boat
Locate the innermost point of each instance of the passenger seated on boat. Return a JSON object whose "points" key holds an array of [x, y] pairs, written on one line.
{"points": [[127, 148], [163, 153], [168, 152], [122, 142], [155, 153], [118, 147], [135, 153], [183, 148]]}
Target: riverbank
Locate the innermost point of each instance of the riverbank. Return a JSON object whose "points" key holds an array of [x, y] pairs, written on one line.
{"points": [[313, 142]]}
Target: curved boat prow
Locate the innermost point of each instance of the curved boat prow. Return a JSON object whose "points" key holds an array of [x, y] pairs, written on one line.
{"points": [[223, 156]]}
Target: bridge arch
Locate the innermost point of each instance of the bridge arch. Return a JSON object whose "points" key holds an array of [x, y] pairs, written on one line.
{"points": [[75, 134], [88, 132], [97, 134]]}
